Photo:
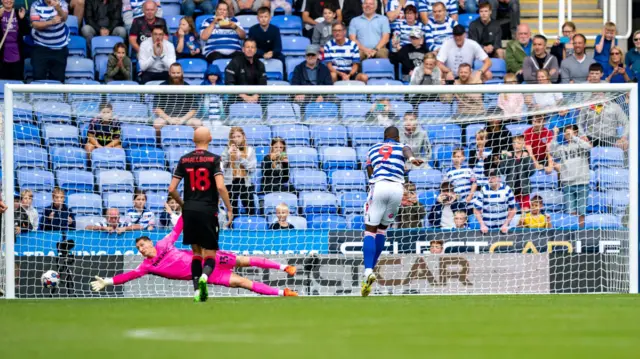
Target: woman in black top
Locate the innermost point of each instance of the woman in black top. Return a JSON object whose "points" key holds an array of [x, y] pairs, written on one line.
{"points": [[275, 168], [498, 137]]}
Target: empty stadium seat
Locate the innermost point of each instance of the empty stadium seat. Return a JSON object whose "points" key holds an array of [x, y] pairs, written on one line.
{"points": [[466, 19], [288, 24], [618, 200], [613, 178], [355, 222], [378, 68], [309, 180], [302, 157], [85, 203], [100, 63], [130, 111], [47, 96], [77, 46], [41, 200], [193, 68], [318, 202], [338, 157], [72, 24], [435, 110], [275, 97], [348, 180], [261, 152], [297, 222], [173, 155], [30, 157], [78, 97], [326, 221], [272, 200], [26, 134], [108, 158], [290, 63], [246, 21], [351, 96], [137, 135], [400, 108], [354, 110], [173, 23], [517, 129], [274, 69], [68, 157], [78, 67], [176, 136], [82, 222], [294, 45], [131, 97], [49, 111], [425, 179], [352, 201], [153, 180], [171, 8], [222, 64], [157, 200], [607, 157], [564, 221], [250, 223], [362, 152], [245, 113], [85, 110], [16, 95], [445, 134], [328, 135], [60, 135], [120, 200], [141, 158], [386, 82], [540, 180], [35, 180], [74, 181], [553, 200], [443, 155], [428, 198], [283, 112], [103, 45], [365, 135], [293, 134], [115, 181], [602, 221], [259, 135], [597, 202]]}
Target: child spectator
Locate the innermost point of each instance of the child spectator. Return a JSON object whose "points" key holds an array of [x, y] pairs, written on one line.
{"points": [[573, 169], [537, 140], [267, 36], [563, 46], [605, 43], [275, 168], [436, 246], [442, 215], [58, 217], [511, 104], [517, 167], [542, 100], [494, 204], [460, 220], [172, 212], [412, 56], [461, 177], [615, 71], [322, 31], [282, 212], [139, 217], [186, 40], [26, 203], [20, 217], [411, 213], [535, 218], [104, 130], [239, 163], [414, 136], [213, 105], [118, 64], [477, 157]]}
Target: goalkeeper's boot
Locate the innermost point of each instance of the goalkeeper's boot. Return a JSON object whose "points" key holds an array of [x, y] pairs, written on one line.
{"points": [[202, 288], [196, 296], [291, 270], [366, 285], [290, 293]]}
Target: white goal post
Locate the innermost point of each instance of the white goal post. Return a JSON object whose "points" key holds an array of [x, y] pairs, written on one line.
{"points": [[569, 259]]}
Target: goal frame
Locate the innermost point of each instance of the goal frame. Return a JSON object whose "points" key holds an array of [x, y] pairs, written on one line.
{"points": [[8, 178]]}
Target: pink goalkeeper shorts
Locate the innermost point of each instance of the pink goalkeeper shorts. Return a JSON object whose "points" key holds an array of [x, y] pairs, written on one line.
{"points": [[225, 262]]}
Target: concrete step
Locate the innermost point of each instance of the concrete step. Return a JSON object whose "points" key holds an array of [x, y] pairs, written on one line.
{"points": [[595, 13]]}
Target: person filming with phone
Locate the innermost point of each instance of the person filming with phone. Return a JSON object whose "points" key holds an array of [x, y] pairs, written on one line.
{"points": [[239, 165], [275, 168]]}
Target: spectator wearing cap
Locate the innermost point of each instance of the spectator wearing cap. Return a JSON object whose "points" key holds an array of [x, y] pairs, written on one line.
{"points": [[267, 37], [51, 37], [371, 32], [343, 56], [411, 55], [401, 30], [311, 72], [439, 28], [156, 56], [212, 103], [487, 32], [460, 50]]}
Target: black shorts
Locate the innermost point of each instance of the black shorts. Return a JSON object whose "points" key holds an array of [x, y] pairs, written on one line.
{"points": [[201, 228]]}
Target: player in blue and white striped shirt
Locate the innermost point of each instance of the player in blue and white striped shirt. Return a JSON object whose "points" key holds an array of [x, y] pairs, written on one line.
{"points": [[439, 28], [51, 37], [461, 177], [344, 56], [223, 36], [494, 204], [385, 166]]}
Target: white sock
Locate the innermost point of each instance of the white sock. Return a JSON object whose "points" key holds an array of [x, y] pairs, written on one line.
{"points": [[283, 266], [367, 271], [281, 292]]}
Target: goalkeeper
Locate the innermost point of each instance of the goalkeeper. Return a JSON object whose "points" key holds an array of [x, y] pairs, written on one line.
{"points": [[167, 261]]}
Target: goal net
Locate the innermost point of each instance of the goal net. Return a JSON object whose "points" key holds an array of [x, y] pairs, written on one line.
{"points": [[524, 189]]}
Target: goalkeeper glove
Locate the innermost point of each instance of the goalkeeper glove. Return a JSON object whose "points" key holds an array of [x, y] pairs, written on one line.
{"points": [[100, 283]]}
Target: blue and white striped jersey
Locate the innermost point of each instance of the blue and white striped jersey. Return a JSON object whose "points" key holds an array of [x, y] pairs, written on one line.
{"points": [[224, 41], [387, 160], [494, 204], [145, 219], [342, 56], [478, 169], [427, 5], [393, 5], [435, 33], [405, 30], [461, 179], [136, 7], [213, 105], [55, 36]]}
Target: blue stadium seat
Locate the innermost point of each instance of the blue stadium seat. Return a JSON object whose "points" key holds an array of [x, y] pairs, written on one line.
{"points": [[353, 201], [498, 68], [283, 112], [443, 155], [60, 135], [602, 221], [26, 134], [108, 158], [72, 24], [153, 180], [48, 111], [219, 135], [288, 24], [47, 96], [309, 180], [401, 107], [173, 155], [597, 202], [200, 19], [378, 68], [294, 45], [354, 110], [302, 157], [607, 157], [246, 21], [130, 97], [141, 158], [293, 134], [250, 223], [351, 96], [82, 222], [85, 203], [30, 157], [553, 200], [613, 178], [35, 180], [41, 200], [445, 134], [386, 82], [103, 45], [173, 23], [85, 110], [137, 135], [79, 68], [428, 198], [425, 179], [156, 200], [471, 133], [541, 181], [338, 157], [297, 222], [274, 69], [171, 8], [278, 97], [618, 200], [365, 135], [433, 109], [261, 152], [222, 65], [328, 135], [355, 222], [259, 135], [348, 180], [77, 97], [193, 68], [115, 181], [318, 202], [245, 113], [176, 136], [74, 181], [564, 221], [272, 200], [23, 112], [517, 129], [120, 200], [466, 19], [100, 63], [362, 152], [290, 63], [326, 221], [131, 111], [68, 158], [77, 46], [3, 82]]}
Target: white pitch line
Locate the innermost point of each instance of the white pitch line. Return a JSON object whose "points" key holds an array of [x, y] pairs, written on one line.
{"points": [[181, 335]]}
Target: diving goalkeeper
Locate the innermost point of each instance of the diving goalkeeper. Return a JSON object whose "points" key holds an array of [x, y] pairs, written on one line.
{"points": [[167, 261]]}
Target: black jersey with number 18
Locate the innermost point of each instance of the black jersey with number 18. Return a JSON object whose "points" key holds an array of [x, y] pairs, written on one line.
{"points": [[198, 169]]}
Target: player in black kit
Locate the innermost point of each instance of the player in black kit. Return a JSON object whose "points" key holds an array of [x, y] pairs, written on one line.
{"points": [[203, 181]]}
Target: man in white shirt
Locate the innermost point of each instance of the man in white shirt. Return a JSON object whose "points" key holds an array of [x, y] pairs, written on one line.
{"points": [[156, 56], [460, 50]]}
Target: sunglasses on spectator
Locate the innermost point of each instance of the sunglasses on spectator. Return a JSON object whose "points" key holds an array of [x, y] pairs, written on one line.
{"points": [[636, 39]]}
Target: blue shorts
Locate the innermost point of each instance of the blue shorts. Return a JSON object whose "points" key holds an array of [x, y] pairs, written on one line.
{"points": [[575, 199]]}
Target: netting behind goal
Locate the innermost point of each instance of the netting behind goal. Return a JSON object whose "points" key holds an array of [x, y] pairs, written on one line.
{"points": [[521, 192]]}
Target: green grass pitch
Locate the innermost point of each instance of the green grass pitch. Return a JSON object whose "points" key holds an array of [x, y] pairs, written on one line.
{"points": [[470, 327]]}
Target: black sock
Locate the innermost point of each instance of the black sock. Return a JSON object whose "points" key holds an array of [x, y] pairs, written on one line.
{"points": [[209, 265], [196, 270]]}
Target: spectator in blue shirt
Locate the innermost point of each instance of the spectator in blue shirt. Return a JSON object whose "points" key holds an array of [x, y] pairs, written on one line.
{"points": [[186, 40], [267, 37], [51, 37], [58, 217], [632, 59], [615, 71], [371, 32], [605, 43]]}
